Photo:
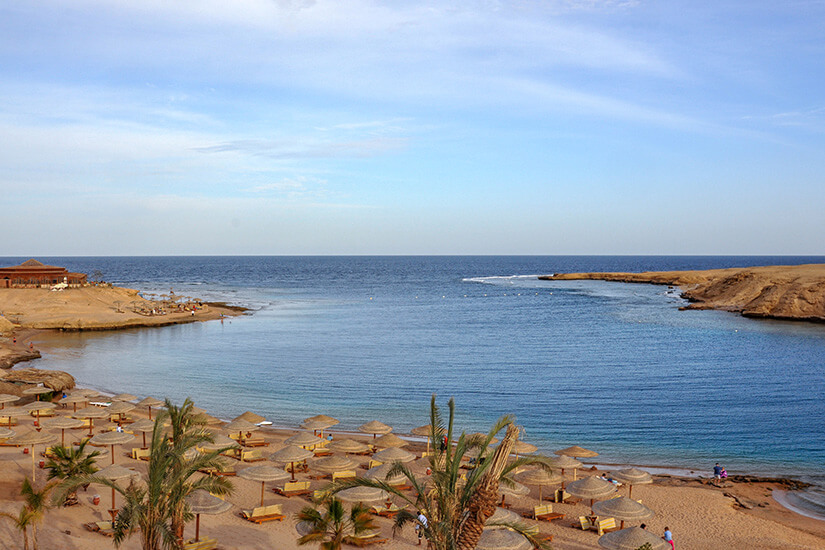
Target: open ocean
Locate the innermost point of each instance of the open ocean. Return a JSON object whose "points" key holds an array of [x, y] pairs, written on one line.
{"points": [[609, 366]]}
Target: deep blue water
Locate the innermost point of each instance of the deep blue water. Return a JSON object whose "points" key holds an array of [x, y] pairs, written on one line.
{"points": [[609, 366]]}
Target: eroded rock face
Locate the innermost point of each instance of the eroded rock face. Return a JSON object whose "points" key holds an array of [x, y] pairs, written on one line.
{"points": [[776, 292], [54, 379]]}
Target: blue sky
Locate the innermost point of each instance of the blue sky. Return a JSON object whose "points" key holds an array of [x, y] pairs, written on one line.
{"points": [[359, 127]]}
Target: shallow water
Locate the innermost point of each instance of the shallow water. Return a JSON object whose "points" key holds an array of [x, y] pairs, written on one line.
{"points": [[609, 366]]}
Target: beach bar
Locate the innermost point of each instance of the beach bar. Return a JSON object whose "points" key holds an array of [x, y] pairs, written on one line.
{"points": [[34, 274]]}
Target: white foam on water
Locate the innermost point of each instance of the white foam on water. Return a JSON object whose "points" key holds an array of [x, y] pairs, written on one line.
{"points": [[795, 502], [498, 279]]}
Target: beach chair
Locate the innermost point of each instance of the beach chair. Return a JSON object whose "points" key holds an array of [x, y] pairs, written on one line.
{"points": [[425, 454], [562, 496], [203, 544], [254, 442], [261, 514], [43, 413], [373, 464], [320, 451], [606, 526], [364, 540], [141, 454], [85, 426], [346, 474], [6, 421], [584, 522], [533, 531], [253, 455], [293, 489], [385, 511], [544, 512], [103, 527]]}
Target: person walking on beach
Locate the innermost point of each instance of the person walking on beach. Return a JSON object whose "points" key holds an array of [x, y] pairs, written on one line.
{"points": [[717, 471], [669, 538], [421, 525]]}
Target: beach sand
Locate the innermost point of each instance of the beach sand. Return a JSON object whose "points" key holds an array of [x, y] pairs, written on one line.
{"points": [[700, 516]]}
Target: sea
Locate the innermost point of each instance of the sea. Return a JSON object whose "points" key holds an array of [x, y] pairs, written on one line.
{"points": [[613, 367]]}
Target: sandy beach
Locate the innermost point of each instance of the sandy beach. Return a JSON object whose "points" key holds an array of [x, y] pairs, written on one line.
{"points": [[700, 515], [794, 292]]}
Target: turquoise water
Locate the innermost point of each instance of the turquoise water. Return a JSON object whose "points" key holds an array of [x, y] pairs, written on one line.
{"points": [[609, 366]]}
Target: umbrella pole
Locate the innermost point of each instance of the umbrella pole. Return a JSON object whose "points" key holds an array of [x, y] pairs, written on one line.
{"points": [[62, 437], [630, 494], [31, 449], [262, 493], [150, 413], [113, 461], [91, 426], [292, 464], [144, 440], [197, 527], [113, 504]]}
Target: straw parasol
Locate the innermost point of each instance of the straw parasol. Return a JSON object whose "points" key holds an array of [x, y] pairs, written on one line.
{"points": [[62, 423], [539, 477], [362, 494], [263, 474], [502, 538], [250, 416], [7, 398], [303, 439], [379, 473], [111, 439], [124, 397], [322, 418], [15, 412], [563, 463], [291, 454], [631, 539], [120, 408], [394, 454], [516, 490], [348, 446], [31, 439], [149, 402], [375, 428], [624, 509], [90, 413], [577, 452], [201, 502], [114, 472], [335, 463], [74, 399], [37, 390], [480, 437], [240, 425], [317, 426], [424, 431], [390, 440], [85, 392], [502, 515], [143, 426], [523, 448], [219, 442], [632, 476], [37, 406], [592, 488], [6, 433]]}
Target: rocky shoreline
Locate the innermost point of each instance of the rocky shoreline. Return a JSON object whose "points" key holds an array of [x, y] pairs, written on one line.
{"points": [[791, 293]]}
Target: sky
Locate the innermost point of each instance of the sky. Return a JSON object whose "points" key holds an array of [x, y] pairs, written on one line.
{"points": [[358, 127]]}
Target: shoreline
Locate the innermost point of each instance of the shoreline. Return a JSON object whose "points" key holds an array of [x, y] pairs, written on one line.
{"points": [[787, 293]]}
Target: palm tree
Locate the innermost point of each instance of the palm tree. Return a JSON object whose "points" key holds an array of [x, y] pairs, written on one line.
{"points": [[158, 507], [21, 523], [457, 509], [71, 462], [36, 504], [332, 527]]}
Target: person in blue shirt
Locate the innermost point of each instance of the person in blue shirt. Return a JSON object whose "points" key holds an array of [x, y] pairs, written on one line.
{"points": [[669, 538], [717, 471]]}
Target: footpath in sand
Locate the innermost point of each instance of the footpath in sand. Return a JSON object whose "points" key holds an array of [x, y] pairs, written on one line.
{"points": [[794, 292]]}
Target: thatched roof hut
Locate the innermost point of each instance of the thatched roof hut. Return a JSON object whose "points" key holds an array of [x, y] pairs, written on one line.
{"points": [[17, 380]]}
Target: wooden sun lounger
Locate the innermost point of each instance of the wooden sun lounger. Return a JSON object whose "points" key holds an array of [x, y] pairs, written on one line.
{"points": [[254, 442], [203, 544], [141, 454], [346, 474], [384, 511], [294, 489], [364, 540], [564, 497], [253, 455], [533, 531], [102, 527], [261, 514], [606, 526], [544, 512]]}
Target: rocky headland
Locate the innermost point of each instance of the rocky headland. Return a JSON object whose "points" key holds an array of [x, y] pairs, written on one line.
{"points": [[795, 292]]}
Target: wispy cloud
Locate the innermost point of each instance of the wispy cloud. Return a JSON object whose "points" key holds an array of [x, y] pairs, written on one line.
{"points": [[308, 149]]}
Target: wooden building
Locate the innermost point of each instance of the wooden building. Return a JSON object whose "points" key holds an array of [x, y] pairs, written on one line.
{"points": [[34, 274]]}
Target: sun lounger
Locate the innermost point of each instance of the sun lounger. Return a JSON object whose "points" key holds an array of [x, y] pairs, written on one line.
{"points": [[320, 451], [254, 442], [261, 514], [364, 540], [346, 474], [584, 522], [373, 464], [253, 455], [4, 421], [606, 526], [203, 544], [293, 489], [564, 496], [42, 413], [533, 531], [102, 527], [544, 512], [141, 454], [385, 511]]}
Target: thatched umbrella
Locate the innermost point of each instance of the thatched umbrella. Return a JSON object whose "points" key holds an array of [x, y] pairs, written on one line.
{"points": [[31, 439], [539, 477], [143, 426], [631, 539], [7, 398], [15, 412], [37, 406], [362, 494], [577, 452], [523, 448], [85, 392], [502, 515], [250, 416], [124, 397], [6, 433], [632, 476], [37, 390], [111, 439], [480, 437], [375, 428], [424, 431], [201, 502], [592, 488], [303, 439], [74, 399], [565, 463], [379, 473], [394, 454], [91, 413], [113, 473], [240, 426], [331, 464], [390, 440], [348, 446], [120, 408], [623, 509], [149, 402], [263, 474], [219, 442], [322, 418], [516, 490], [62, 423], [291, 454], [502, 538]]}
